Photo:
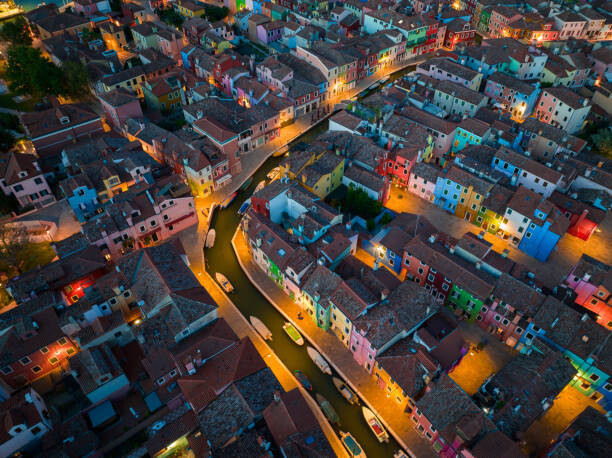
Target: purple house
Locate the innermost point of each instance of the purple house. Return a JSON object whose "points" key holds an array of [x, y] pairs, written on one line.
{"points": [[382, 326], [270, 32]]}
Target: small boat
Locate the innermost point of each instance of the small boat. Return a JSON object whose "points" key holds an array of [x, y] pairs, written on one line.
{"points": [[374, 86], [375, 425], [400, 454], [261, 328], [293, 333], [260, 186], [318, 359], [226, 203], [384, 80], [328, 410], [345, 391], [244, 207], [224, 282], [303, 380], [281, 151], [273, 174], [246, 184], [351, 445], [210, 238]]}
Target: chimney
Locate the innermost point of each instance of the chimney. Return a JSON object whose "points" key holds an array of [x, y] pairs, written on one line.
{"points": [[481, 235], [277, 396], [478, 264]]}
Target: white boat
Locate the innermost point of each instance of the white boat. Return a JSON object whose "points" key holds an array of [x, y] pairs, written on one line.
{"points": [[293, 333], [260, 186], [210, 238], [345, 391], [318, 359], [261, 328], [384, 80], [375, 425], [224, 282], [351, 445]]}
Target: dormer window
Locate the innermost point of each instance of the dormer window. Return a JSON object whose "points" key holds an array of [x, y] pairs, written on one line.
{"points": [[64, 120], [22, 174]]}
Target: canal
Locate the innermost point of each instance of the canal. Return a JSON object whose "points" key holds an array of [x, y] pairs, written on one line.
{"points": [[249, 300]]}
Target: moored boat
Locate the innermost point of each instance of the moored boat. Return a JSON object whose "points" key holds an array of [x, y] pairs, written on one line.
{"points": [[303, 379], [400, 454], [210, 239], [260, 186], [247, 183], [226, 203], [244, 207], [224, 282], [281, 151], [318, 359], [351, 445], [293, 333], [261, 328], [328, 410], [375, 425], [345, 391], [273, 174]]}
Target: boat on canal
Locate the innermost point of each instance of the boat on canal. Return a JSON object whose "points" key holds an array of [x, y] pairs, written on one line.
{"points": [[260, 186], [328, 410], [226, 203], [345, 391], [318, 359], [293, 333], [375, 425], [244, 207], [273, 174], [210, 239], [261, 328], [281, 151], [400, 454], [351, 445], [303, 379], [224, 282], [246, 184]]}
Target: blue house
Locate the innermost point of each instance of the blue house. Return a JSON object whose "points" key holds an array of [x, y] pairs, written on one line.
{"points": [[81, 195], [447, 193], [470, 131], [544, 232], [185, 53], [387, 247]]}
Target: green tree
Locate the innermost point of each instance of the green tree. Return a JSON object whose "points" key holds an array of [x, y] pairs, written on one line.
{"points": [[602, 140], [16, 32], [171, 17], [28, 72], [75, 82], [115, 5], [215, 13]]}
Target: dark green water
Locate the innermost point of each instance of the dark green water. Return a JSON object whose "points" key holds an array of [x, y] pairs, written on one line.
{"points": [[247, 298]]}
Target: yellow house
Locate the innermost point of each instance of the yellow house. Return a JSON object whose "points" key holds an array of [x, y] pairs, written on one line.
{"points": [[113, 36], [295, 163], [187, 8], [324, 175]]}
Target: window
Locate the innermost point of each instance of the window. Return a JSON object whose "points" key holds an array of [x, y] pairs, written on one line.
{"points": [[62, 341], [44, 350], [25, 360], [70, 351], [430, 277], [35, 429], [594, 377], [53, 360], [6, 370]]}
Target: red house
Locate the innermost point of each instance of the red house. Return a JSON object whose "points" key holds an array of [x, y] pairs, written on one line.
{"points": [[33, 346], [459, 31], [584, 219]]}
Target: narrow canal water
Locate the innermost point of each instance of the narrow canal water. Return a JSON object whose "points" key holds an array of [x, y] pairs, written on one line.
{"points": [[247, 298]]}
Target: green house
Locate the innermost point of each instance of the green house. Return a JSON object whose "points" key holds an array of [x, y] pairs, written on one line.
{"points": [[463, 300]]}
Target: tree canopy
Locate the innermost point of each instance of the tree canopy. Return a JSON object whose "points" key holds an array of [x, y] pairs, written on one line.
{"points": [[29, 72], [171, 17], [215, 13], [357, 202], [16, 32]]}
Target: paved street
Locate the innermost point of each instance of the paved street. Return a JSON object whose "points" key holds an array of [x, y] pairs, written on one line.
{"points": [[551, 273], [398, 423]]}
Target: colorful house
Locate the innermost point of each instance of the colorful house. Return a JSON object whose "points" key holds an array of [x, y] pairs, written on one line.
{"points": [[511, 94], [188, 9], [423, 180], [584, 219], [563, 108], [316, 294], [81, 195], [590, 280], [119, 106], [22, 177], [324, 175], [470, 131]]}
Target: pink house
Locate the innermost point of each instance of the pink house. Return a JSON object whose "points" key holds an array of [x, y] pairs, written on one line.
{"points": [[563, 108], [119, 106], [170, 43], [20, 175], [422, 181], [591, 280], [383, 325], [91, 7], [601, 59], [270, 32], [142, 216]]}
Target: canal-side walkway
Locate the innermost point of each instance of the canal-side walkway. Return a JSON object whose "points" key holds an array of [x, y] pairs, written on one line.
{"points": [[239, 324], [398, 423]]}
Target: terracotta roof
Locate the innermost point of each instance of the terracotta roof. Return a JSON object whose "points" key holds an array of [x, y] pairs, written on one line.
{"points": [[39, 123]]}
